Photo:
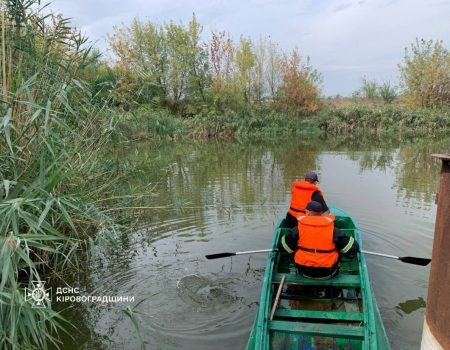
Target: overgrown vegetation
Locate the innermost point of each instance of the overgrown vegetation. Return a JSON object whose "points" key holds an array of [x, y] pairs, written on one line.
{"points": [[381, 119], [167, 72], [52, 175]]}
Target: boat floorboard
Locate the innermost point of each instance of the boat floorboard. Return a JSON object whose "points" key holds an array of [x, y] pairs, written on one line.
{"points": [[340, 280], [318, 329], [327, 315]]}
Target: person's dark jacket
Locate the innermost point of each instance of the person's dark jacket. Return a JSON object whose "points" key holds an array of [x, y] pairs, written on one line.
{"points": [[317, 197]]}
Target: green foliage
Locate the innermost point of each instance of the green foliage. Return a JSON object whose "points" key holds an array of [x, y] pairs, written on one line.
{"points": [[165, 63], [387, 92], [425, 74], [383, 119], [300, 86], [248, 124], [199, 78], [162, 124], [369, 89], [245, 60], [167, 66], [98, 76]]}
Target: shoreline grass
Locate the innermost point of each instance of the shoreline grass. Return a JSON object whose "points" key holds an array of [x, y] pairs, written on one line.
{"points": [[351, 119]]}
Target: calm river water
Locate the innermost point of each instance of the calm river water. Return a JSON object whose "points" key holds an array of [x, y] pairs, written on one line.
{"points": [[218, 197]]}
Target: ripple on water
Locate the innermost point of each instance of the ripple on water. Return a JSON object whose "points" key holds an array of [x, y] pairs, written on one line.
{"points": [[204, 292], [205, 305]]}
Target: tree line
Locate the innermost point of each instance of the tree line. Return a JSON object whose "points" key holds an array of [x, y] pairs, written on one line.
{"points": [[169, 65]]}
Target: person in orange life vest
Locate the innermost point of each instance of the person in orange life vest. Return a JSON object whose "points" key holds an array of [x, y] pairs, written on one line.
{"points": [[316, 244], [302, 193]]}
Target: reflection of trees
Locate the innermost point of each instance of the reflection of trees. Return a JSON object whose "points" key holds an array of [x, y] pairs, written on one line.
{"points": [[370, 160], [219, 177], [418, 174], [370, 152]]}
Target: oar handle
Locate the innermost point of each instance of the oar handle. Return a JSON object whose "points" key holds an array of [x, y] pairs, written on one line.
{"points": [[225, 255], [379, 254], [256, 251]]}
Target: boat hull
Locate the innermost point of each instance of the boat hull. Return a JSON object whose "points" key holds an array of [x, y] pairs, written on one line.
{"points": [[338, 313]]}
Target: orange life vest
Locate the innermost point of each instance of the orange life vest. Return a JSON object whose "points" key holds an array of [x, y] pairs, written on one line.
{"points": [[302, 192], [315, 244]]}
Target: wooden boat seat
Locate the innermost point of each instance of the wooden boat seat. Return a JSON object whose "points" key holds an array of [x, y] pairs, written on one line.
{"points": [[318, 329], [319, 314], [341, 280]]}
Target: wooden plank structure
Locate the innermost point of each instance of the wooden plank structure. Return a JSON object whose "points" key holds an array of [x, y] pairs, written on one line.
{"points": [[337, 313]]}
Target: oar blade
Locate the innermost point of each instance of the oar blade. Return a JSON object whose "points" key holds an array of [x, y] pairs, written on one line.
{"points": [[415, 261], [219, 255]]}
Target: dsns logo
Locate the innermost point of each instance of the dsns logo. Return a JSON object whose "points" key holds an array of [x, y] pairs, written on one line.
{"points": [[38, 295]]}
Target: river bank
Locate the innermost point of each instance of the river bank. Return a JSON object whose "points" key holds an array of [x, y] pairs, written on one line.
{"points": [[349, 120]]}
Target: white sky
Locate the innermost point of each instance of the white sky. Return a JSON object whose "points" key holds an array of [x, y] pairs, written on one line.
{"points": [[345, 39]]}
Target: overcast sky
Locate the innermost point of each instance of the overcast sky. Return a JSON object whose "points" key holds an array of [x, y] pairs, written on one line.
{"points": [[346, 40]]}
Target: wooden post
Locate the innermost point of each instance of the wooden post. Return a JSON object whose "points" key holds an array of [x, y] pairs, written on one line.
{"points": [[436, 330]]}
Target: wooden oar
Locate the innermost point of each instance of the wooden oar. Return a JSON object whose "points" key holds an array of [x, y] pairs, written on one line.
{"points": [[406, 259], [225, 255], [277, 298]]}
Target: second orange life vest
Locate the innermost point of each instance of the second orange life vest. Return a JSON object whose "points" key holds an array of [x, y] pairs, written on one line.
{"points": [[315, 245], [302, 192]]}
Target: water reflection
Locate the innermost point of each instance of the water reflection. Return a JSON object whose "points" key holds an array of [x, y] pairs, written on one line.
{"points": [[241, 172], [418, 175], [215, 197]]}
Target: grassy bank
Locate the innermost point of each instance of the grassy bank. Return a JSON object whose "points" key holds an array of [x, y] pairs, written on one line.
{"points": [[357, 118], [161, 124], [383, 119]]}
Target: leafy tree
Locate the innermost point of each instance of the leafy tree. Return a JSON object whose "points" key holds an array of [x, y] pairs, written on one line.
{"points": [[130, 69], [225, 86], [259, 71], [163, 64], [273, 68], [222, 57], [245, 61], [178, 60], [299, 91], [425, 74], [199, 78]]}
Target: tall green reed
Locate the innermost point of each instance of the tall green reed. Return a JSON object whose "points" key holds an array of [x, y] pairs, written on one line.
{"points": [[51, 172]]}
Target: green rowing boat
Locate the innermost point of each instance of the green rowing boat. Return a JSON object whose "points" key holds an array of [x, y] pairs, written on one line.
{"points": [[301, 313]]}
